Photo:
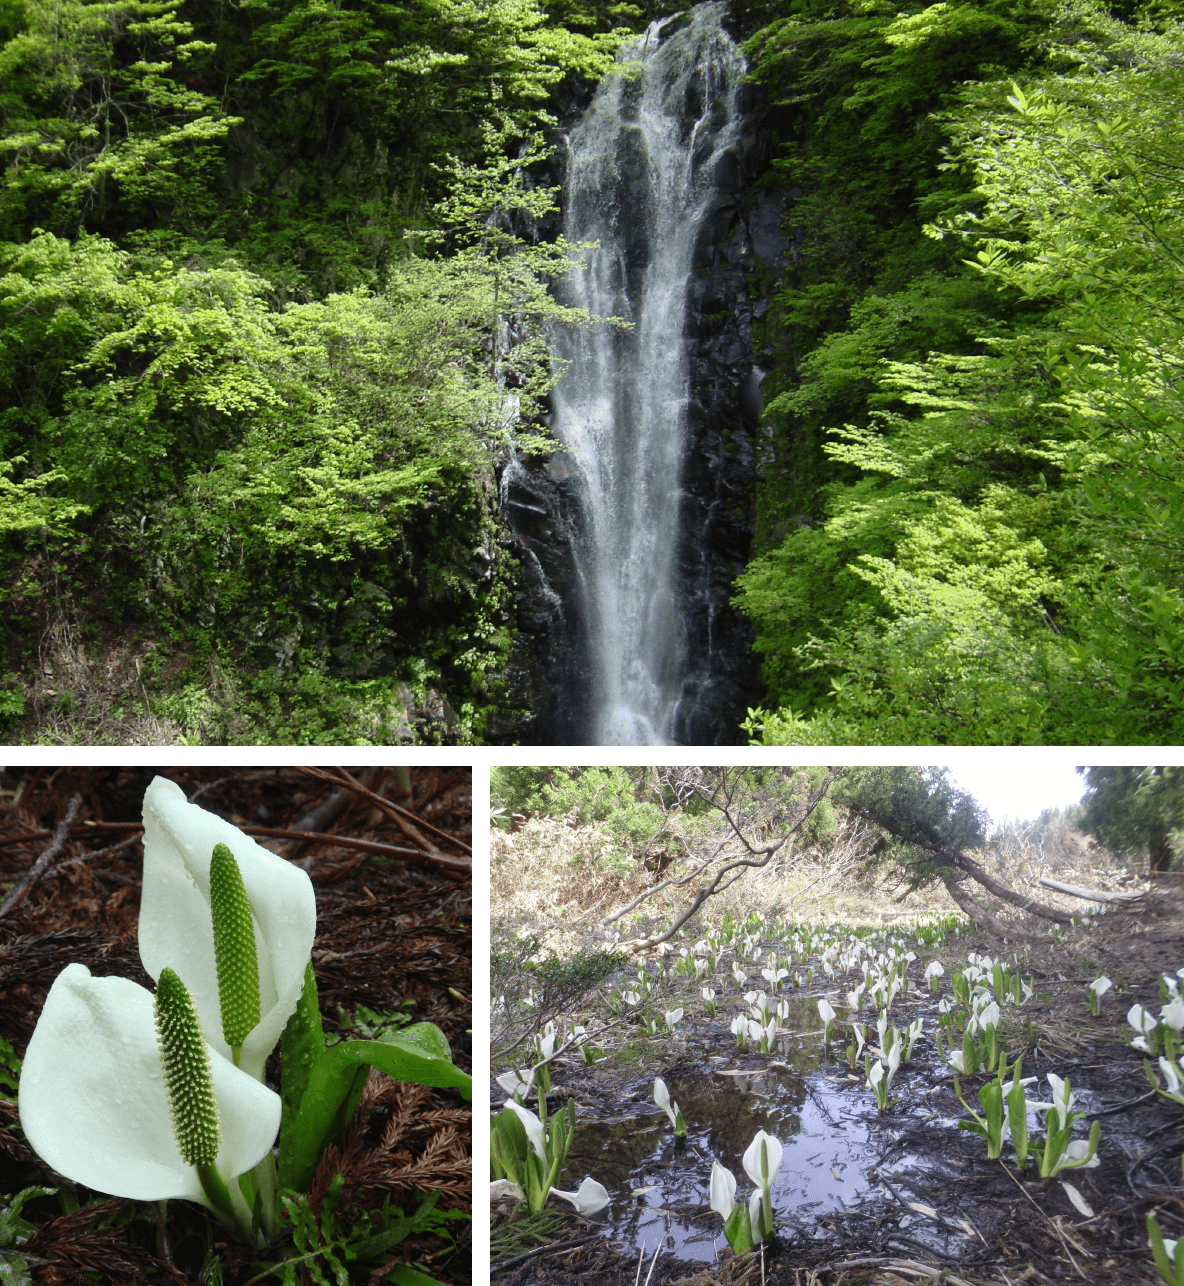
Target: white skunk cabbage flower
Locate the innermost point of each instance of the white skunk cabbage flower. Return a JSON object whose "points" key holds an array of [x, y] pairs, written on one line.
{"points": [[662, 1098], [1173, 1015], [517, 1082], [893, 1060], [532, 1125], [1062, 1099], [104, 1104], [1100, 986], [723, 1190], [911, 1034], [673, 1018], [1171, 1075], [1077, 1151], [754, 1217], [544, 1045], [589, 1199], [500, 1189], [752, 1160], [985, 1015], [175, 928], [1144, 1022]]}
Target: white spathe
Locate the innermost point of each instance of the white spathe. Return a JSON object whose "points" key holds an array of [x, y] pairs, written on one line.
{"points": [[517, 1082], [532, 1125], [92, 1097], [175, 925], [1173, 1015], [589, 1199], [754, 1217], [662, 1098], [723, 1190], [752, 1159]]}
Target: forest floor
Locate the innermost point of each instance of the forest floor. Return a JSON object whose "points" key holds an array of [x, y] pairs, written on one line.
{"points": [[394, 937], [931, 1206]]}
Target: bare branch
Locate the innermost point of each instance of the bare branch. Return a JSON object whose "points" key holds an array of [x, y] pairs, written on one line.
{"points": [[724, 797]]}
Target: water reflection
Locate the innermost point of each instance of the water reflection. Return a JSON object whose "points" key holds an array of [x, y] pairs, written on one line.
{"points": [[661, 1190]]}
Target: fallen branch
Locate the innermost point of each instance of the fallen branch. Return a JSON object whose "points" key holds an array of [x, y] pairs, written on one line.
{"points": [[342, 778], [1089, 895], [20, 890], [910, 1266]]}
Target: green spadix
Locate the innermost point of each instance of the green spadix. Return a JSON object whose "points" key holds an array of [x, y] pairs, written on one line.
{"points": [[235, 957]]}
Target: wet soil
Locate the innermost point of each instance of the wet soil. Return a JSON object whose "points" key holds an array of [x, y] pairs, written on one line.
{"points": [[394, 934], [870, 1197]]}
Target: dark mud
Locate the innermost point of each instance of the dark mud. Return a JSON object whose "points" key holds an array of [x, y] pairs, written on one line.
{"points": [[870, 1197]]}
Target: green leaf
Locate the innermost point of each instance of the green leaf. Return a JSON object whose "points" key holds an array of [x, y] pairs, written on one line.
{"points": [[405, 1275], [12, 1226], [738, 1230], [418, 1054], [301, 1046]]}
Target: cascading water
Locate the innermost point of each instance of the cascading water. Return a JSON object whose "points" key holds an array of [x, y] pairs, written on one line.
{"points": [[641, 178]]}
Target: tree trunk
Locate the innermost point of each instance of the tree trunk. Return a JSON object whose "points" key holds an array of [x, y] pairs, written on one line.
{"points": [[1159, 850], [970, 867], [982, 918]]}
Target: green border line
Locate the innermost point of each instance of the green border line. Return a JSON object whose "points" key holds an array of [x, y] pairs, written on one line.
{"points": [[291, 756]]}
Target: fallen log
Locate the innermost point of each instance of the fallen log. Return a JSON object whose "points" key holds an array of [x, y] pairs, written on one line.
{"points": [[1090, 895]]}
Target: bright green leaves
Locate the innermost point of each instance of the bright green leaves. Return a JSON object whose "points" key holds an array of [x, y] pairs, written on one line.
{"points": [[234, 949], [100, 119], [997, 559], [187, 1076], [301, 1046], [321, 1087]]}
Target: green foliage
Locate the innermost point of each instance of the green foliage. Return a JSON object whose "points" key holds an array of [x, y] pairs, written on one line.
{"points": [[371, 1023], [387, 91], [337, 450], [324, 1239], [631, 805], [99, 124], [998, 560], [221, 366], [10, 1070], [564, 982], [921, 813], [1136, 808]]}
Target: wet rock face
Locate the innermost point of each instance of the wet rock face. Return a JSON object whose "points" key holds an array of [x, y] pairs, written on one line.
{"points": [[738, 248], [548, 673], [738, 254]]}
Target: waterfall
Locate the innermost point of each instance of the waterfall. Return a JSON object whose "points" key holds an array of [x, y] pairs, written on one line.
{"points": [[641, 178]]}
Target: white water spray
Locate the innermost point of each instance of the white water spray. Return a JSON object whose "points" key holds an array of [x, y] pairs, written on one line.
{"points": [[641, 176]]}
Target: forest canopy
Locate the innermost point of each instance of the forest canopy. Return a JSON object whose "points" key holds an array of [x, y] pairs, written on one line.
{"points": [[973, 526]]}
